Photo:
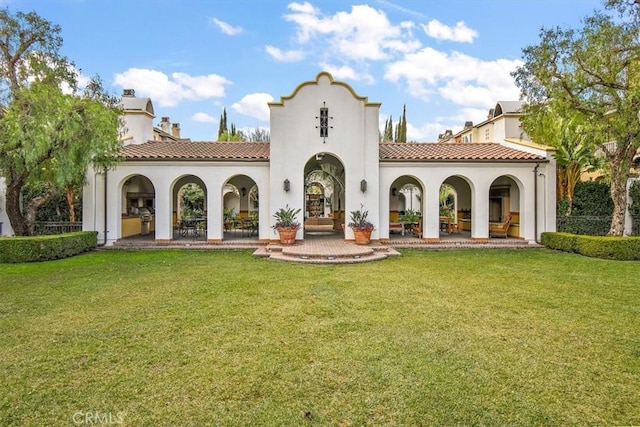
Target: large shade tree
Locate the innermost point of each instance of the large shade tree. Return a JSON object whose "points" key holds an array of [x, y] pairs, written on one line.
{"points": [[592, 74], [50, 131]]}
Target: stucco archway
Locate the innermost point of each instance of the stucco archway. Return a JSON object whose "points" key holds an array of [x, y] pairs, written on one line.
{"points": [[324, 195], [137, 206], [240, 208]]}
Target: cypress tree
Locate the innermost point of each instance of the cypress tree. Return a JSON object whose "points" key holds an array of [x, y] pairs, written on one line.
{"points": [[402, 135], [388, 130], [222, 125]]}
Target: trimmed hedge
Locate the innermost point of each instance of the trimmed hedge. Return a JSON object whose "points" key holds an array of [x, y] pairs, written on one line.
{"points": [[606, 247], [43, 248], [585, 225]]}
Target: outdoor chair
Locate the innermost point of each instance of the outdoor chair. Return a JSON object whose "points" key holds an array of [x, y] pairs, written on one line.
{"points": [[500, 229]]}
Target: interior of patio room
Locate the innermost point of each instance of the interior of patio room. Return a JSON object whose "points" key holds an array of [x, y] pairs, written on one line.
{"points": [[241, 203], [189, 216]]}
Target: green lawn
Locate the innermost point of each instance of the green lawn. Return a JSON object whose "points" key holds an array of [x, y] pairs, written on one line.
{"points": [[493, 337]]}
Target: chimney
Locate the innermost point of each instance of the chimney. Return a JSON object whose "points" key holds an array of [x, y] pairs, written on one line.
{"points": [[490, 114], [175, 130], [468, 125], [129, 92], [164, 124]]}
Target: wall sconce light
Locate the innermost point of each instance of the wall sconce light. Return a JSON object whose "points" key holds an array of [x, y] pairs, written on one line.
{"points": [[394, 191], [243, 191], [363, 185], [287, 185]]}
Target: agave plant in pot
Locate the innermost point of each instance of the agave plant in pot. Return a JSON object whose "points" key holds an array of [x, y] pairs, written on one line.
{"points": [[286, 224], [361, 226]]}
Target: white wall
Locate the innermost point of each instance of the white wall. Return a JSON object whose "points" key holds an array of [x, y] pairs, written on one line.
{"points": [[353, 139]]}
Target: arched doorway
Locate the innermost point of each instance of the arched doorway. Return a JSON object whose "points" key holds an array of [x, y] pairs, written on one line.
{"points": [[240, 207], [455, 202], [138, 207], [324, 196], [189, 208], [504, 207], [405, 207]]}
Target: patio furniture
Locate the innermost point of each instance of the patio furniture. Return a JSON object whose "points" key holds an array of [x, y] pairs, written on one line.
{"points": [[318, 224], [500, 229], [417, 228]]}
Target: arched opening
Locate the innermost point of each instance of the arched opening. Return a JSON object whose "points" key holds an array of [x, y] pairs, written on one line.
{"points": [[324, 184], [138, 207], [455, 202], [504, 208], [189, 213], [405, 207], [240, 207]]}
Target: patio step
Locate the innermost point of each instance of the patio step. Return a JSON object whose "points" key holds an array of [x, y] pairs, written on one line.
{"points": [[339, 253]]}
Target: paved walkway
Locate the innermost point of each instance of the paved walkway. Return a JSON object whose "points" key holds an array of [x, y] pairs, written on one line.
{"points": [[324, 249]]}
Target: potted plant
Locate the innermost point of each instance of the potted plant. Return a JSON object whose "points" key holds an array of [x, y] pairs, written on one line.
{"points": [[286, 224], [361, 226]]}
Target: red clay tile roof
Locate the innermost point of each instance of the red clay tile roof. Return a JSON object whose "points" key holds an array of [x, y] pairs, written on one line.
{"points": [[197, 150], [452, 152], [259, 151]]}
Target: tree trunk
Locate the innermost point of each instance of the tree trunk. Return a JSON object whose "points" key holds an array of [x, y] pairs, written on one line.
{"points": [[31, 208], [70, 203], [619, 197], [622, 157], [14, 212]]}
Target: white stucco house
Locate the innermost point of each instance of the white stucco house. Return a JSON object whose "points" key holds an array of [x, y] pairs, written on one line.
{"points": [[323, 123]]}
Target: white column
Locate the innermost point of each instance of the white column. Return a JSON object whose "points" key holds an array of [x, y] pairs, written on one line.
{"points": [[164, 213], [214, 211], [480, 211], [431, 213]]}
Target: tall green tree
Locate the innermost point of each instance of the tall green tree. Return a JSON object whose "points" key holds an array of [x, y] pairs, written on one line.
{"points": [[402, 126], [574, 140], [388, 130], [48, 137], [593, 73], [222, 125]]}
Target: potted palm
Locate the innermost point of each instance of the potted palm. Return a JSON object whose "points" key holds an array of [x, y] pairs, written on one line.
{"points": [[286, 224], [361, 226]]}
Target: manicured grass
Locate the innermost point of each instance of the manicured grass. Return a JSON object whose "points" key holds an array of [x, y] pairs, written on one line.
{"points": [[494, 337]]}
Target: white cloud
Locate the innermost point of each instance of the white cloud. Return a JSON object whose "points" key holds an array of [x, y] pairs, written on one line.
{"points": [[204, 118], [427, 132], [459, 33], [305, 7], [346, 72], [226, 28], [284, 56], [169, 91], [364, 33], [254, 105], [460, 78]]}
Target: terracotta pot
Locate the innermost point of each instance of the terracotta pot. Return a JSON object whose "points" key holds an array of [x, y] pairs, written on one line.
{"points": [[287, 235], [363, 237]]}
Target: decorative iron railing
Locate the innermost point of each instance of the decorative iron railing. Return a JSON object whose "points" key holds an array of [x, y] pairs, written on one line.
{"points": [[57, 227]]}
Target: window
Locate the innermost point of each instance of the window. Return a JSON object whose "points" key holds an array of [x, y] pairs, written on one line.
{"points": [[486, 134], [324, 122]]}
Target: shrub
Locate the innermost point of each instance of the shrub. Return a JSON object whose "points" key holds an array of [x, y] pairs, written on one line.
{"points": [[634, 207], [562, 241], [43, 248], [606, 247], [587, 225], [620, 248], [592, 198]]}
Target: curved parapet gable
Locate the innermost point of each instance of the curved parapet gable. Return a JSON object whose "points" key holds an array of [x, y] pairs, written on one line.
{"points": [[328, 75]]}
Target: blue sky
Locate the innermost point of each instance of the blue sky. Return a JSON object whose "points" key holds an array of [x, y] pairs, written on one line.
{"points": [[448, 61]]}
